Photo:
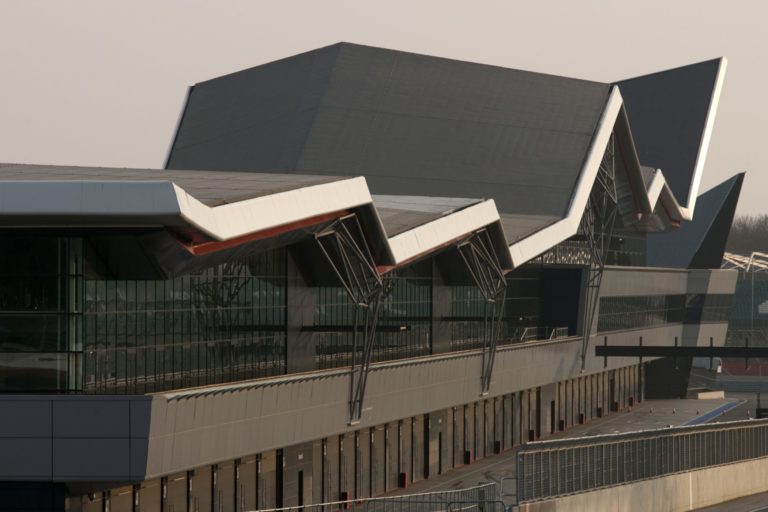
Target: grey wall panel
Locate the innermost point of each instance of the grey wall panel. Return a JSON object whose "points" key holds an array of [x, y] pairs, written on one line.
{"points": [[23, 418], [25, 459], [190, 430], [49, 429], [91, 458], [619, 281], [91, 418]]}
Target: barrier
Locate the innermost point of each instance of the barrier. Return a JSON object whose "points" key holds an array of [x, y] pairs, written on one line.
{"points": [[548, 469]]}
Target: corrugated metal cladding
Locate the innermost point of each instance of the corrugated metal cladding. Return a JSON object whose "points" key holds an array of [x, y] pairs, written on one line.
{"points": [[411, 124], [667, 112]]}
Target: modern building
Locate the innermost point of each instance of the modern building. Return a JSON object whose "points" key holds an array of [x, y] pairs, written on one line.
{"points": [[361, 268]]}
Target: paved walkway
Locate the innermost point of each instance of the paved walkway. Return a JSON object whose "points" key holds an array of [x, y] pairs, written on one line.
{"points": [[651, 414], [754, 503]]}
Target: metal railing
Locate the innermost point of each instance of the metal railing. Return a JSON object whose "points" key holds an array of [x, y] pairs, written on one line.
{"points": [[481, 498], [548, 469]]}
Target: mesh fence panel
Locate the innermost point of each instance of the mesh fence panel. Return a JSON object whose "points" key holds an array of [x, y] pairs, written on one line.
{"points": [[553, 468]]}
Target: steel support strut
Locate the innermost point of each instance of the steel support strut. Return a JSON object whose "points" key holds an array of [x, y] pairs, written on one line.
{"points": [[483, 264], [345, 248], [596, 227]]}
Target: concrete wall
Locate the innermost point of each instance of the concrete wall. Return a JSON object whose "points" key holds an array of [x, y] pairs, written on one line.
{"points": [[684, 491]]}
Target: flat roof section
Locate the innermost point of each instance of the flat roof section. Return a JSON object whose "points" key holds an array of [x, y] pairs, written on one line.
{"points": [[403, 213], [212, 188]]}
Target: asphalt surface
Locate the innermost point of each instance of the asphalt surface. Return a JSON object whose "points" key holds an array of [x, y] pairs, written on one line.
{"points": [[754, 503], [650, 414]]}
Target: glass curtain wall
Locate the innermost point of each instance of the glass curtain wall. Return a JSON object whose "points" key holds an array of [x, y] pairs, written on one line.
{"points": [[222, 324], [39, 313], [522, 312], [404, 328], [645, 311]]}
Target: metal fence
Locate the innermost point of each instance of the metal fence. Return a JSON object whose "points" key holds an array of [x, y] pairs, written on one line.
{"points": [[548, 469], [481, 498]]}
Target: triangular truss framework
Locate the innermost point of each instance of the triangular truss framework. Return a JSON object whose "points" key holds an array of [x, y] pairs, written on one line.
{"points": [[481, 261], [596, 227], [344, 246]]}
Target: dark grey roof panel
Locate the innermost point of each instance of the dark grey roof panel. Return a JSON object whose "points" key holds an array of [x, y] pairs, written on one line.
{"points": [[441, 205], [667, 113], [701, 242], [260, 115], [517, 226], [411, 124], [211, 188], [402, 213], [399, 221]]}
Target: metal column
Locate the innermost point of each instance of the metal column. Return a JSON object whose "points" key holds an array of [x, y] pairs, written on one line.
{"points": [[344, 246], [483, 264], [596, 227]]}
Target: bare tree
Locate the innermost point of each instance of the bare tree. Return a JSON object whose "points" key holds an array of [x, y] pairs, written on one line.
{"points": [[749, 233]]}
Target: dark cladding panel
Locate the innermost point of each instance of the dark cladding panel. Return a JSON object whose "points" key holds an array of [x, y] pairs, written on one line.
{"points": [[667, 113], [701, 242], [256, 119], [409, 123]]}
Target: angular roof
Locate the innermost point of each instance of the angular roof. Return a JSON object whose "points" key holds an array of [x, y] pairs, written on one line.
{"points": [[403, 140], [411, 124], [700, 243], [428, 126], [672, 113], [214, 211]]}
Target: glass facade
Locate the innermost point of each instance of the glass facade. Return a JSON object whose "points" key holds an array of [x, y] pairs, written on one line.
{"points": [[222, 324], [522, 311], [645, 311], [63, 329], [404, 328], [39, 306], [748, 317]]}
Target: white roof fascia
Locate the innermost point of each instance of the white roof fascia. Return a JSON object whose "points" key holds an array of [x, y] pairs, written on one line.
{"points": [[658, 182], [541, 241], [183, 109], [704, 146], [441, 231], [252, 215]]}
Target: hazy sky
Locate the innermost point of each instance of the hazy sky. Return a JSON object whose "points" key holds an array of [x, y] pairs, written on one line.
{"points": [[101, 82]]}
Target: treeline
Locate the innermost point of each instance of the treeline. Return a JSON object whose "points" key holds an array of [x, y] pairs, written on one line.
{"points": [[749, 233]]}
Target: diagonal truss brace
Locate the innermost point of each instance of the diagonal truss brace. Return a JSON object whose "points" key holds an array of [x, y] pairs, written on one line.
{"points": [[596, 227], [345, 248], [483, 265]]}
